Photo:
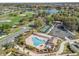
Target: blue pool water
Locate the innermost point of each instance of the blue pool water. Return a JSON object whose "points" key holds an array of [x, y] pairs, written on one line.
{"points": [[37, 41]]}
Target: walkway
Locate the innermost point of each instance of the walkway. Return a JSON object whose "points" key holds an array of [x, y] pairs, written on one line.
{"points": [[61, 49]]}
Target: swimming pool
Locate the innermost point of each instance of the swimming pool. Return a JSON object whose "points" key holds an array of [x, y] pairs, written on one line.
{"points": [[37, 41]]}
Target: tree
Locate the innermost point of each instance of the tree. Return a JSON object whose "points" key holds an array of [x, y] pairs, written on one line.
{"points": [[13, 14], [70, 23], [38, 22], [78, 24], [5, 28], [20, 40], [49, 19]]}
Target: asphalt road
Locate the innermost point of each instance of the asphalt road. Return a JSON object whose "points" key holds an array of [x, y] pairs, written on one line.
{"points": [[13, 36]]}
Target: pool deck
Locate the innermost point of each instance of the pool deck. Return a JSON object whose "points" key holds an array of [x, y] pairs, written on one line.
{"points": [[40, 36]]}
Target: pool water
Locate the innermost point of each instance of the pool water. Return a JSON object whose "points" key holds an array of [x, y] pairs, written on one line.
{"points": [[37, 41]]}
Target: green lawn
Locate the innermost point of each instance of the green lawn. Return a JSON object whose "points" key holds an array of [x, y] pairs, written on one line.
{"points": [[29, 14], [14, 20]]}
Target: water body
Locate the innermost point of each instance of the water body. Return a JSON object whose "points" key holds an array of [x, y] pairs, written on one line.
{"points": [[52, 11], [49, 11]]}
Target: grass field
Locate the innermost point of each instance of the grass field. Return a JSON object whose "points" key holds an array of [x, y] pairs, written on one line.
{"points": [[14, 20]]}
